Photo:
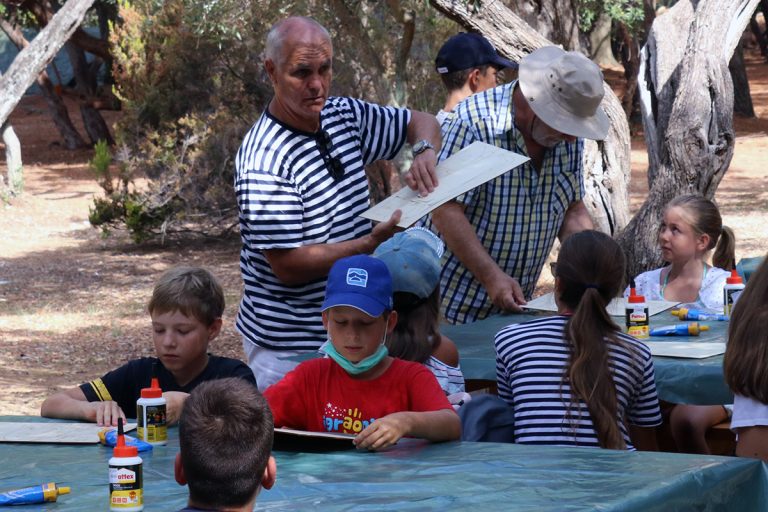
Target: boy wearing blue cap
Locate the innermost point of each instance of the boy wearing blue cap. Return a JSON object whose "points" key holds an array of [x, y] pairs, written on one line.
{"points": [[468, 64], [359, 389]]}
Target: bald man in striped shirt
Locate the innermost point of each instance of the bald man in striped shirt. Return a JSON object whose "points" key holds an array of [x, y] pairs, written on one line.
{"points": [[301, 186]]}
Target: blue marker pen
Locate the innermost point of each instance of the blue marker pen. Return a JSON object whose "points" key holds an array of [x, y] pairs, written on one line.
{"points": [[701, 316], [689, 329], [31, 495]]}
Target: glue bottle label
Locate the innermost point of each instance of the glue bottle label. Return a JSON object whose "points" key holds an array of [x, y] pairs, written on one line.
{"points": [[731, 296], [125, 487], [152, 426], [637, 322]]}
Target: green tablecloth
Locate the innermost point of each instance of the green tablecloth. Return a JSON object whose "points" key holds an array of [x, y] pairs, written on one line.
{"points": [[419, 476], [678, 380]]}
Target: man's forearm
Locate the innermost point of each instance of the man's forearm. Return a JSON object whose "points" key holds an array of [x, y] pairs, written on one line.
{"points": [[461, 238], [576, 219], [424, 126]]}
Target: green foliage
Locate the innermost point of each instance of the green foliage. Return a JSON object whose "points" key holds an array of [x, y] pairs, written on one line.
{"points": [[628, 12], [102, 157], [189, 74]]}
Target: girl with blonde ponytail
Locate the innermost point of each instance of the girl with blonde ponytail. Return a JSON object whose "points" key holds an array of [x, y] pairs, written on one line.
{"points": [[574, 378]]}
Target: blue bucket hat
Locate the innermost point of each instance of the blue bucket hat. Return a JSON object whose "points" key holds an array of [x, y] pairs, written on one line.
{"points": [[413, 260], [361, 282]]}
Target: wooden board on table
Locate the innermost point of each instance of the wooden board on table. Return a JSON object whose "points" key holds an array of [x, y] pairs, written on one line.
{"points": [[52, 432], [616, 307], [686, 349], [464, 170]]}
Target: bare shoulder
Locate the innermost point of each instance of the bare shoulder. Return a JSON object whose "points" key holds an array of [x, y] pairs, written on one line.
{"points": [[446, 351]]}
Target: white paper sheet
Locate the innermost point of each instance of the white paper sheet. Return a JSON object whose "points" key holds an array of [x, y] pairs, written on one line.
{"points": [[472, 166], [616, 307], [687, 349], [52, 432]]}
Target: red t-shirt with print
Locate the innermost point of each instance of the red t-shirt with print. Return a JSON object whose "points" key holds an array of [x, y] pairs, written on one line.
{"points": [[319, 396]]}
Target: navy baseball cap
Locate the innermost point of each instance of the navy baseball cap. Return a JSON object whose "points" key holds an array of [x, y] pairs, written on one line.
{"points": [[362, 282], [468, 50]]}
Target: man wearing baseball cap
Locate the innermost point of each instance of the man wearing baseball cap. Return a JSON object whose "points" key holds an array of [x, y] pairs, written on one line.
{"points": [[499, 234], [468, 64]]}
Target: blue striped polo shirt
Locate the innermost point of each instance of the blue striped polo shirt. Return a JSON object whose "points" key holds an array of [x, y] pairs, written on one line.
{"points": [[531, 359], [287, 199]]}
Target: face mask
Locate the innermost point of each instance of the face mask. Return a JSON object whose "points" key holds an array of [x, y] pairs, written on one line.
{"points": [[360, 367], [542, 135]]}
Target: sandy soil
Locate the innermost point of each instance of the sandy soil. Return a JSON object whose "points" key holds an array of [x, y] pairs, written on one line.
{"points": [[72, 302]]}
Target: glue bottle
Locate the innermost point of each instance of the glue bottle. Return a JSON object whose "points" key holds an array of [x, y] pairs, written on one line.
{"points": [[636, 314], [125, 476], [731, 291], [151, 414]]}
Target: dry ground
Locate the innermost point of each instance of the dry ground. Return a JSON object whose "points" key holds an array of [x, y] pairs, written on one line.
{"points": [[72, 302]]}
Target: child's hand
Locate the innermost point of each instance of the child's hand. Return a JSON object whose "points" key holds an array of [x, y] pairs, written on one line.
{"points": [[105, 413], [383, 432], [174, 401]]}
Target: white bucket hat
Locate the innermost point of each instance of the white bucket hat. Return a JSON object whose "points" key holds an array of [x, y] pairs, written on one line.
{"points": [[565, 89]]}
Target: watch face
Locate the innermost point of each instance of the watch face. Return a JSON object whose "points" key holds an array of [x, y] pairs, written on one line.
{"points": [[421, 146]]}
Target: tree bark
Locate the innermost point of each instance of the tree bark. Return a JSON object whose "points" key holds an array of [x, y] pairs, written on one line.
{"points": [[742, 99], [606, 163], [32, 60], [600, 42], [15, 183], [59, 113], [555, 20], [687, 103]]}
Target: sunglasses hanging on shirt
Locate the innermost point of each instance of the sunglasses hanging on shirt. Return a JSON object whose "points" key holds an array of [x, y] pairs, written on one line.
{"points": [[332, 164]]}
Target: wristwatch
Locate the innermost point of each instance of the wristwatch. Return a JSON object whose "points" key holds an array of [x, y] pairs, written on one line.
{"points": [[421, 146]]}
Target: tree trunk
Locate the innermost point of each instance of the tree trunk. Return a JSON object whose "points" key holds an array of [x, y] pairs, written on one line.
{"points": [[606, 163], [59, 113], [13, 160], [555, 20], [630, 59], [742, 99], [600, 42], [32, 60], [687, 102], [86, 86]]}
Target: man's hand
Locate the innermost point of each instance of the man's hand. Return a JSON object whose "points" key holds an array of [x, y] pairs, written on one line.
{"points": [[505, 293], [422, 176], [383, 231], [383, 432], [105, 413]]}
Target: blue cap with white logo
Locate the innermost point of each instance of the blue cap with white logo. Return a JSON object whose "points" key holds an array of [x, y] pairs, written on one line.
{"points": [[361, 282]]}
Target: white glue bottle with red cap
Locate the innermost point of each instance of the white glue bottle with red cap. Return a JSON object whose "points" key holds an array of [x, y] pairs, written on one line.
{"points": [[636, 314], [731, 291], [151, 415], [126, 481]]}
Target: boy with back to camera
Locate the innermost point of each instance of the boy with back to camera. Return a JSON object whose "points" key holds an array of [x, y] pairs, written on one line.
{"points": [[225, 444], [186, 308], [359, 389]]}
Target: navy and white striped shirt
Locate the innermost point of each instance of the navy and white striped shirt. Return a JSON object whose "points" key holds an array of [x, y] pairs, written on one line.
{"points": [[287, 199], [531, 358]]}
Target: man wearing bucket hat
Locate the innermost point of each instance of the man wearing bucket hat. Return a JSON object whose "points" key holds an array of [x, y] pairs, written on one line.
{"points": [[468, 64], [499, 234]]}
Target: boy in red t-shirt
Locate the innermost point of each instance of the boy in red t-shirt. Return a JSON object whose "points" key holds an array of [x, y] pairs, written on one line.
{"points": [[359, 389]]}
